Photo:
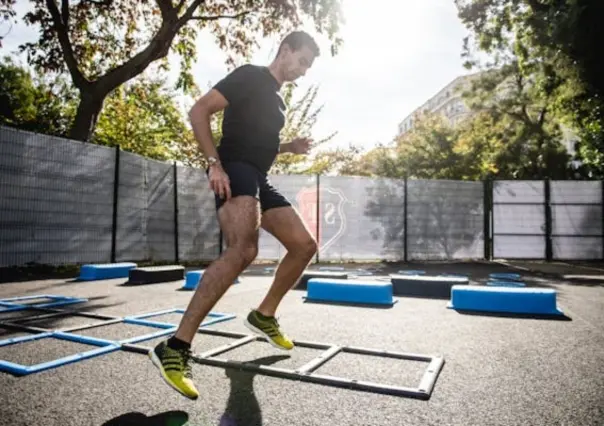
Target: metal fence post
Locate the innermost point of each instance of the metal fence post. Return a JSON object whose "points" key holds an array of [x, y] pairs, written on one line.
{"points": [[548, 220], [488, 210], [116, 184], [405, 220], [318, 217], [176, 256]]}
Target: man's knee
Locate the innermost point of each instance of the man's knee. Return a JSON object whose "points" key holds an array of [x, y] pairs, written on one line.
{"points": [[306, 246], [246, 251]]}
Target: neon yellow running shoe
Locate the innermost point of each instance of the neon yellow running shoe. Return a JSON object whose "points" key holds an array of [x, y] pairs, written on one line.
{"points": [[174, 368], [268, 327]]}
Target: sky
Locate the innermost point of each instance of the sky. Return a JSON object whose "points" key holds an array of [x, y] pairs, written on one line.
{"points": [[396, 55]]}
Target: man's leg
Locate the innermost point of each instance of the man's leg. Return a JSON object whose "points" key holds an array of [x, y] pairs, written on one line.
{"points": [[286, 225], [282, 221], [239, 219]]}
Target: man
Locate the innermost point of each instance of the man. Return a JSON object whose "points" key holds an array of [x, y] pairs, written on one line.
{"points": [[245, 199]]}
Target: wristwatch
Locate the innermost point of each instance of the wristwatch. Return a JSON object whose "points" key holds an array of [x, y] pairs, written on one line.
{"points": [[212, 161]]}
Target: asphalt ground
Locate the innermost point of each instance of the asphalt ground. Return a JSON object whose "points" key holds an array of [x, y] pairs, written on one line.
{"points": [[498, 370]]}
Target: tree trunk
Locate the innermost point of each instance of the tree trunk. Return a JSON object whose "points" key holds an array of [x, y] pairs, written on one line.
{"points": [[89, 108]]}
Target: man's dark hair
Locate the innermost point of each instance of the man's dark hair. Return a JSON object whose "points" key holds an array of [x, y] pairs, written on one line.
{"points": [[297, 39]]}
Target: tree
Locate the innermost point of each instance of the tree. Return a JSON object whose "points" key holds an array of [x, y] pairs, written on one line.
{"points": [[425, 152], [142, 117], [31, 103], [558, 39], [515, 134], [104, 43], [300, 120], [338, 161]]}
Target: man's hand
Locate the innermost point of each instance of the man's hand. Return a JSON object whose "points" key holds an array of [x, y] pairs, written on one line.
{"points": [[219, 181], [300, 145]]}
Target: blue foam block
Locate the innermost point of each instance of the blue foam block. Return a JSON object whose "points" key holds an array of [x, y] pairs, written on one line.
{"points": [[105, 271], [505, 276], [506, 284], [504, 299], [350, 291], [104, 347], [192, 279]]}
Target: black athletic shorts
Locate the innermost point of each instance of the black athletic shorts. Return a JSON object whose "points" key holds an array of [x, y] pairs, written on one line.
{"points": [[246, 179]]}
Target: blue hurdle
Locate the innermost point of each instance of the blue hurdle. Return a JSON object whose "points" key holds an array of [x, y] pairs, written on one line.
{"points": [[350, 291], [539, 301], [105, 271], [192, 279]]}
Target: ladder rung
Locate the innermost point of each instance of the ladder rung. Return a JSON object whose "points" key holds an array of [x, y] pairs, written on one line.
{"points": [[320, 360], [229, 346]]}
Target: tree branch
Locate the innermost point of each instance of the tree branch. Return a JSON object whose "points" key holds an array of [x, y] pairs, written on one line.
{"points": [[190, 10], [72, 65], [156, 49], [538, 7], [217, 17], [526, 114], [542, 116], [517, 116], [168, 12], [65, 12], [180, 5]]}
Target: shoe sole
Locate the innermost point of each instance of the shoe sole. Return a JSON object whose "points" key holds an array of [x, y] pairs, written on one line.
{"points": [[155, 360], [261, 333]]}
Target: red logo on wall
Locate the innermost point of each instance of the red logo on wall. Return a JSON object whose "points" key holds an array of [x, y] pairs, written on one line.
{"points": [[332, 223]]}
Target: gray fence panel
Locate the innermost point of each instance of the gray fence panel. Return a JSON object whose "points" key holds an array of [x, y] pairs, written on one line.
{"points": [[519, 219], [361, 219], [198, 230], [576, 220], [131, 233], [445, 220], [55, 200], [161, 231]]}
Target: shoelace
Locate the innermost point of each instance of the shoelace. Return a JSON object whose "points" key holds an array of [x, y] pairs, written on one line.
{"points": [[275, 322], [277, 327], [186, 355]]}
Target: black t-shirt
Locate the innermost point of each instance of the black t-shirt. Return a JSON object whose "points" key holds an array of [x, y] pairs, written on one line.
{"points": [[254, 117]]}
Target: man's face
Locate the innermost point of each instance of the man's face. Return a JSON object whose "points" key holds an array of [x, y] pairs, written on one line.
{"points": [[296, 63]]}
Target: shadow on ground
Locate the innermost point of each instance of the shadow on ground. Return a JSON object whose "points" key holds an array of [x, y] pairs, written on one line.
{"points": [[169, 418], [243, 408], [545, 317], [49, 319]]}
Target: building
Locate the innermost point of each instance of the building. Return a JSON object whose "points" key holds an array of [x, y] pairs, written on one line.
{"points": [[448, 102]]}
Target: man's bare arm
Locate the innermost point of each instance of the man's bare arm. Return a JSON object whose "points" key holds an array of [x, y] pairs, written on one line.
{"points": [[200, 114], [299, 145], [285, 148]]}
